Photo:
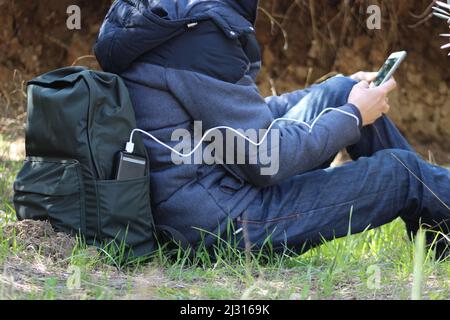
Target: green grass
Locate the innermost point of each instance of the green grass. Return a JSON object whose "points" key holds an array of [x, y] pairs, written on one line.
{"points": [[7, 173], [378, 264]]}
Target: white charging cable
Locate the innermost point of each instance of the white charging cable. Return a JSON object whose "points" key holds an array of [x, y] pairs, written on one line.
{"points": [[130, 145]]}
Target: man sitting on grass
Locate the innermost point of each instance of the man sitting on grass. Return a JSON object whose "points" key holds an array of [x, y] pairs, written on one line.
{"points": [[197, 60]]}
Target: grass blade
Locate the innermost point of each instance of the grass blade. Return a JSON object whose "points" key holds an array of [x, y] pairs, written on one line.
{"points": [[419, 260]]}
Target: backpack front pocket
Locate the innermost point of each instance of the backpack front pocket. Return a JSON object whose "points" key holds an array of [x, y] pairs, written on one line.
{"points": [[125, 213], [51, 189]]}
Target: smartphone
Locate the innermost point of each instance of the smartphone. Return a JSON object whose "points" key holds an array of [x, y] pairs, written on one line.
{"points": [[389, 67]]}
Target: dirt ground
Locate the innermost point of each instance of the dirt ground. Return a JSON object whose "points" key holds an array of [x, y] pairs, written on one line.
{"points": [[48, 255]]}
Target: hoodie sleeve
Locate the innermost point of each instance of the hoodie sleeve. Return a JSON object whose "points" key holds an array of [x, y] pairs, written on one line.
{"points": [[240, 106]]}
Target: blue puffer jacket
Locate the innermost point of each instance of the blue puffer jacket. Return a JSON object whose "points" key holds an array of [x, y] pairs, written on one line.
{"points": [[196, 60]]}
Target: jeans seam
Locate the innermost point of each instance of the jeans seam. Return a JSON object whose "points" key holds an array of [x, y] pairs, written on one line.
{"points": [[269, 221]]}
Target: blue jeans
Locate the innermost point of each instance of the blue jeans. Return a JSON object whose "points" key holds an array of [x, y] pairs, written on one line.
{"points": [[387, 180]]}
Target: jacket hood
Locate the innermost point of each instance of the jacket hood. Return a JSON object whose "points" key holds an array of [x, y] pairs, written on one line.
{"points": [[134, 27], [178, 8], [247, 8]]}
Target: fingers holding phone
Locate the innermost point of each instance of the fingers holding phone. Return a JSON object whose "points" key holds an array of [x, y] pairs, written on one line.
{"points": [[371, 102], [385, 89], [388, 86], [372, 99], [364, 76]]}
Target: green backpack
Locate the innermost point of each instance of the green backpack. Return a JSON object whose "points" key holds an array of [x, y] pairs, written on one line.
{"points": [[78, 120]]}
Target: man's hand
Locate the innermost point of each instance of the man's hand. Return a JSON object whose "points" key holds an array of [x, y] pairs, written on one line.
{"points": [[364, 76], [371, 102]]}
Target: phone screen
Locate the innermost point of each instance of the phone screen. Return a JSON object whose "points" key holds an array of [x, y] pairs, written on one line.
{"points": [[389, 64]]}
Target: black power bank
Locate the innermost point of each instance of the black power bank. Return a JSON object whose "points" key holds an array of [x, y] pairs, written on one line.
{"points": [[130, 166]]}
